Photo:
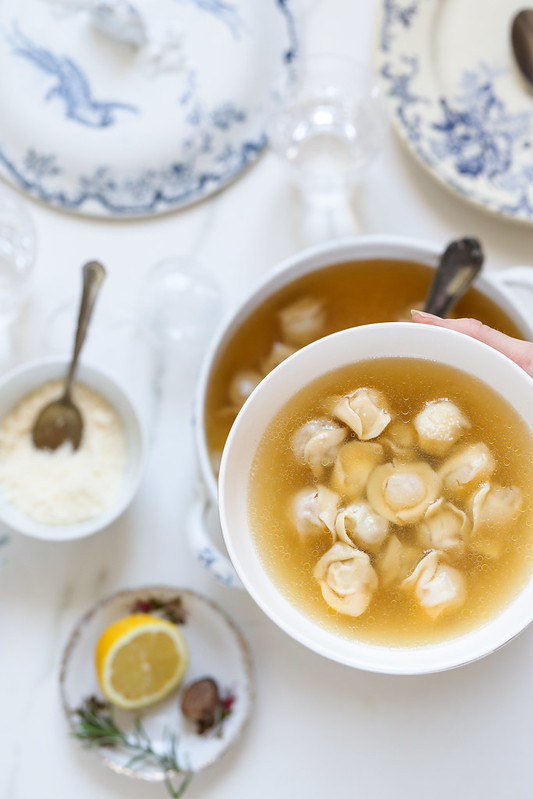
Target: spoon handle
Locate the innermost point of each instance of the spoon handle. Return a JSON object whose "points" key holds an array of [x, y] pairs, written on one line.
{"points": [[93, 277], [459, 265]]}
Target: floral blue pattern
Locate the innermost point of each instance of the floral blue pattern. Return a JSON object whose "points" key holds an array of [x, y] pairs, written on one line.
{"points": [[469, 137], [70, 84], [225, 12], [216, 137], [394, 14], [476, 131]]}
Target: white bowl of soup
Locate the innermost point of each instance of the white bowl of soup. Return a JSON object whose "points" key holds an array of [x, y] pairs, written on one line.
{"points": [[369, 279], [376, 498]]}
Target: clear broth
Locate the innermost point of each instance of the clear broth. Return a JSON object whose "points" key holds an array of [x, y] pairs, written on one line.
{"points": [[355, 293], [393, 618]]}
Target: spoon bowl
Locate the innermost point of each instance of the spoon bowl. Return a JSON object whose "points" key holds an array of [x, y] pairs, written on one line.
{"points": [[522, 42], [457, 269], [61, 421]]}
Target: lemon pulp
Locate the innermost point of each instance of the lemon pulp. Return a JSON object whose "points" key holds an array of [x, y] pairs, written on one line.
{"points": [[140, 659]]}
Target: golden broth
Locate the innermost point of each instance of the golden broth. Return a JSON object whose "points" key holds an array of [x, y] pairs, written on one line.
{"points": [[393, 617], [354, 293]]}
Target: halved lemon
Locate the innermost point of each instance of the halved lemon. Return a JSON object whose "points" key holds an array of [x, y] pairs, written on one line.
{"points": [[140, 659]]}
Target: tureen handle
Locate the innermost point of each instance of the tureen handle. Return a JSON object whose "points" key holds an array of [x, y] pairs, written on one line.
{"points": [[515, 276], [203, 547]]}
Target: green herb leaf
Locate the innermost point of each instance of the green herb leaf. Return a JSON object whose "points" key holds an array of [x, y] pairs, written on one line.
{"points": [[95, 727]]}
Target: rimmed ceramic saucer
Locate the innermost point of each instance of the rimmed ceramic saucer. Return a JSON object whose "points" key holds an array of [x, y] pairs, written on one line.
{"points": [[217, 650], [458, 99]]}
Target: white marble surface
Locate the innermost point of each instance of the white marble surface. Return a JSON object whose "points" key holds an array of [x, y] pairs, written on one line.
{"points": [[318, 728]]}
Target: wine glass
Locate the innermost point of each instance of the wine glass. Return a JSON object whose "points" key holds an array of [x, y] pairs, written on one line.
{"points": [[327, 124], [180, 305]]}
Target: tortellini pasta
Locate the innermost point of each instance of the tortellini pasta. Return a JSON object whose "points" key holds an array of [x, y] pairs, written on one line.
{"points": [[403, 492], [439, 425], [313, 511], [241, 386], [399, 502], [303, 321], [437, 587], [317, 442], [278, 353], [346, 578], [400, 439], [468, 467], [445, 527], [493, 507], [395, 561], [353, 464], [359, 524], [364, 411]]}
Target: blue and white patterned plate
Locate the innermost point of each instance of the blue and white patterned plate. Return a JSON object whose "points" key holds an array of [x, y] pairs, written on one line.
{"points": [[457, 98], [97, 125]]}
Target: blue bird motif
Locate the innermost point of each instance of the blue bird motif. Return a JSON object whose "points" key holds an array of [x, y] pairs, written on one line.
{"points": [[226, 13], [71, 85]]}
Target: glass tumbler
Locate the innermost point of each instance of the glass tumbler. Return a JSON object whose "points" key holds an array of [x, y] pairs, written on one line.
{"points": [[328, 124]]}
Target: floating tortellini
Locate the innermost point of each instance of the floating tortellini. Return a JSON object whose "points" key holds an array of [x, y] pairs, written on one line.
{"points": [[364, 410], [445, 527], [353, 464], [403, 492], [400, 439], [395, 560], [467, 468], [347, 579], [278, 353], [241, 386], [360, 524], [303, 321], [316, 443], [439, 425], [313, 511], [436, 586], [493, 507]]}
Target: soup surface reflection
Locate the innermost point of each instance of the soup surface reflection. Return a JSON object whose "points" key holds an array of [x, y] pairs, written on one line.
{"points": [[314, 305], [391, 501]]}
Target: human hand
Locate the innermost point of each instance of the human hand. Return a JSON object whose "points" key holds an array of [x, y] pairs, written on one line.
{"points": [[521, 352]]}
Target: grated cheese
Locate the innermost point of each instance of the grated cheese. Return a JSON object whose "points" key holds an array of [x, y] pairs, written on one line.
{"points": [[64, 486]]}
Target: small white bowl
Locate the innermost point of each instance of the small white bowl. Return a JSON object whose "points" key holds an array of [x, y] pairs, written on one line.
{"points": [[17, 384], [395, 339]]}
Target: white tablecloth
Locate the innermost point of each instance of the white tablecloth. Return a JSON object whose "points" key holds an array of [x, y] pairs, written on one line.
{"points": [[318, 728]]}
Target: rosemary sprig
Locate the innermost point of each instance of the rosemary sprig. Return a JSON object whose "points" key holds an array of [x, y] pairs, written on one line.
{"points": [[171, 609], [95, 727]]}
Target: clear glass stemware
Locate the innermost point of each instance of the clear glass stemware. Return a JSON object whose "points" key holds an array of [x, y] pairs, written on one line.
{"points": [[327, 124]]}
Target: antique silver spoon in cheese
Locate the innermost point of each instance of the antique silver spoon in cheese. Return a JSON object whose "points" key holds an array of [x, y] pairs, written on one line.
{"points": [[61, 420]]}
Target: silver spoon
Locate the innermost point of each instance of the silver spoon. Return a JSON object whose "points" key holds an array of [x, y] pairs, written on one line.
{"points": [[459, 265], [61, 420], [522, 42]]}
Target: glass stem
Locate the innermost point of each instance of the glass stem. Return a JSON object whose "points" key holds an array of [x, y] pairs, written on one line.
{"points": [[328, 216]]}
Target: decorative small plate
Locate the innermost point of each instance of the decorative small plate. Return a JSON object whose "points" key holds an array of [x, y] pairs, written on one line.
{"points": [[458, 99], [100, 126], [217, 650]]}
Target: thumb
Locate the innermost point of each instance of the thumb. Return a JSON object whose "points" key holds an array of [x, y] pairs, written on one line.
{"points": [[521, 352]]}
